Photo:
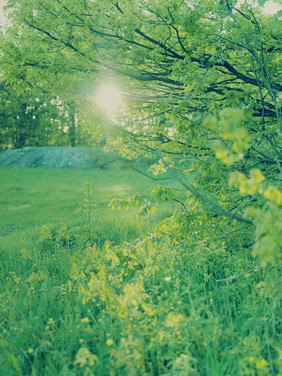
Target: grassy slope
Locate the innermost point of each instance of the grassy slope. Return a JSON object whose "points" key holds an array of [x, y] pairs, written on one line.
{"points": [[68, 308]]}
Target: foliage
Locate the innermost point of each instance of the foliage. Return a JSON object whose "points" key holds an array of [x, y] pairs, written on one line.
{"points": [[199, 294], [148, 307], [203, 78]]}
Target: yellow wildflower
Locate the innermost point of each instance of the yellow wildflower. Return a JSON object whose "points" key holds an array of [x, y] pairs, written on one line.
{"points": [[109, 342], [84, 358], [260, 364]]}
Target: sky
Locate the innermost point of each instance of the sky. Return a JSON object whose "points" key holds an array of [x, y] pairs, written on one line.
{"points": [[2, 18], [270, 7]]}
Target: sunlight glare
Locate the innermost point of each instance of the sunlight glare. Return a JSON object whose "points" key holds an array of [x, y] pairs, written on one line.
{"points": [[109, 98]]}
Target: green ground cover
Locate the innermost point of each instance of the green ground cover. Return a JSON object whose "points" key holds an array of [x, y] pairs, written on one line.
{"points": [[131, 299], [30, 197]]}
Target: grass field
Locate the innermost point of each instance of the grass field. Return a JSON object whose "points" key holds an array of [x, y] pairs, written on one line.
{"points": [[121, 302], [30, 197]]}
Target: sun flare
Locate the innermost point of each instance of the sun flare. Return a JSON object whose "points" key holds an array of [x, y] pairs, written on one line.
{"points": [[109, 98]]}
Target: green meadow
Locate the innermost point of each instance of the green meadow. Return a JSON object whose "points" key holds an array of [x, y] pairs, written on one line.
{"points": [[102, 292], [35, 197]]}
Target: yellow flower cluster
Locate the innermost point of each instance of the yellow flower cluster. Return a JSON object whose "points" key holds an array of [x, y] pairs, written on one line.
{"points": [[228, 126], [247, 186], [85, 358], [252, 185], [159, 168], [273, 194]]}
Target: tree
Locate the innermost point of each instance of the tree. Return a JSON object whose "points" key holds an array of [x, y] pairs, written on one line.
{"points": [[202, 80], [34, 119]]}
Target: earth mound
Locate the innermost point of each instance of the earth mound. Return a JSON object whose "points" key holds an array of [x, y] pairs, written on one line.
{"points": [[60, 157]]}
